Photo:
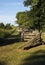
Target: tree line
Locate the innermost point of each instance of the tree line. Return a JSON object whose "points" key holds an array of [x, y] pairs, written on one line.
{"points": [[7, 26]]}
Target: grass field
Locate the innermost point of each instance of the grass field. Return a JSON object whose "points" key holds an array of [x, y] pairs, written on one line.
{"points": [[12, 55]]}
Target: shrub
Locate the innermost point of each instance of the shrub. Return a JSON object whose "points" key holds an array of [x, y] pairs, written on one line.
{"points": [[4, 33]]}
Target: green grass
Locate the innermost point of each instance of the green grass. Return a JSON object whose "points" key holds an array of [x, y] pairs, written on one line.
{"points": [[11, 55]]}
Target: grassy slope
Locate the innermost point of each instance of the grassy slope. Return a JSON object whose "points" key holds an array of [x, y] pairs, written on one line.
{"points": [[11, 55]]}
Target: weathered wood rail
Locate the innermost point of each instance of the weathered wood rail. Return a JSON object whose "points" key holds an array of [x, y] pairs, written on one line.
{"points": [[26, 36], [34, 41]]}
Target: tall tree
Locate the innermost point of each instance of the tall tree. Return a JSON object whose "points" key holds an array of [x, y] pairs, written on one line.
{"points": [[37, 13]]}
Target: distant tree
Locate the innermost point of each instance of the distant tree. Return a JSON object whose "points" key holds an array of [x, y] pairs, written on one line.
{"points": [[2, 25], [8, 26]]}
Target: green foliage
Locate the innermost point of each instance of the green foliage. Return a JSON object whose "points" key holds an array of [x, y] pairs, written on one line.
{"points": [[23, 20], [8, 26], [30, 2], [37, 12], [4, 33], [2, 25], [33, 18]]}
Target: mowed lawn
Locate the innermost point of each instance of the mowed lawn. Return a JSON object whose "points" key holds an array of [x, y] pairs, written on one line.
{"points": [[12, 55]]}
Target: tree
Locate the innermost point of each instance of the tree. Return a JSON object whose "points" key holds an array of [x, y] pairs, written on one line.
{"points": [[37, 13], [23, 20], [8, 26], [2, 25]]}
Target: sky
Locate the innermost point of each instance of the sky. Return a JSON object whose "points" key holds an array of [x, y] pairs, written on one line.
{"points": [[8, 10]]}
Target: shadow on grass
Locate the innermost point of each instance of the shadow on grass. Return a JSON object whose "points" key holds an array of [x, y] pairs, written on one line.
{"points": [[10, 40], [3, 63], [37, 58]]}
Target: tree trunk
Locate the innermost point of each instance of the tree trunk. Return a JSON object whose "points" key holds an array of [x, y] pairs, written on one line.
{"points": [[22, 36], [40, 39]]}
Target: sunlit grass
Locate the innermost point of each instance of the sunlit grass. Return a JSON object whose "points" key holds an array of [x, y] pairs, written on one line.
{"points": [[11, 55]]}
